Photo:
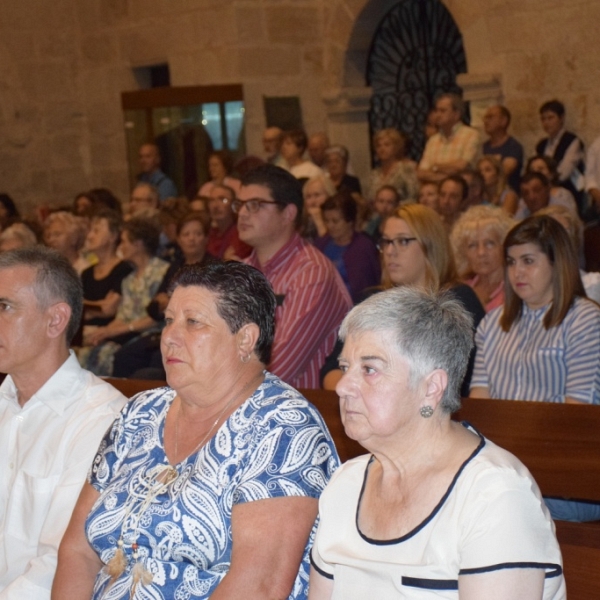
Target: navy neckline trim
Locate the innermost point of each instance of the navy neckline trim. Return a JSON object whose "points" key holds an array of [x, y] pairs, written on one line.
{"points": [[434, 512]]}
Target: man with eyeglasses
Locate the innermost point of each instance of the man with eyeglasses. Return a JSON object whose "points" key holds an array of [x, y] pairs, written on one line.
{"points": [[223, 238], [312, 299]]}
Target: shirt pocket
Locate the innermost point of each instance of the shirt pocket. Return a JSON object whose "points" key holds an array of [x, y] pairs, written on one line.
{"points": [[31, 498]]}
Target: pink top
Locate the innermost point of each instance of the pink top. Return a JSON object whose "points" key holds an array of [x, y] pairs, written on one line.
{"points": [[496, 297]]}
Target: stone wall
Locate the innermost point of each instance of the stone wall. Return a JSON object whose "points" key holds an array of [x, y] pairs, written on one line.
{"points": [[64, 63]]}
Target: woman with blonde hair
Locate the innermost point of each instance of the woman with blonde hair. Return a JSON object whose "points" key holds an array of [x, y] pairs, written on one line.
{"points": [[416, 252], [496, 189], [395, 168], [477, 239], [66, 233]]}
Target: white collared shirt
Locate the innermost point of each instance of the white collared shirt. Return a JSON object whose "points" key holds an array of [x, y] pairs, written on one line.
{"points": [[46, 449]]}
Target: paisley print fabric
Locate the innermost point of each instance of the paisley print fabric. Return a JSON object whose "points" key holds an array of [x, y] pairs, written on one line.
{"points": [[275, 444]]}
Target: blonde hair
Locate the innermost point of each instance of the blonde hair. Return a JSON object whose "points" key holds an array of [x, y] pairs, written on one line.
{"points": [[501, 184], [492, 218], [427, 226], [76, 227], [399, 140]]}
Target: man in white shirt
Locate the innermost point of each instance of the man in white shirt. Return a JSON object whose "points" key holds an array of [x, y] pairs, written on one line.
{"points": [[53, 415]]}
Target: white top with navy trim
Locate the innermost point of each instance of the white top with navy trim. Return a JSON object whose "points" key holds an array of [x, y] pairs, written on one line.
{"points": [[492, 517], [530, 362]]}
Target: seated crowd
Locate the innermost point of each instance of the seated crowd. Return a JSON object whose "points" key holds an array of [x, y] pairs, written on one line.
{"points": [[467, 277]]}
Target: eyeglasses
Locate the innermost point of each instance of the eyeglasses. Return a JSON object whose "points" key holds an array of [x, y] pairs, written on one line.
{"points": [[251, 205], [399, 243], [223, 200]]}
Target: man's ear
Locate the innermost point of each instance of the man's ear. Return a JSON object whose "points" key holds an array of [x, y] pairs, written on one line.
{"points": [[290, 213], [59, 316]]}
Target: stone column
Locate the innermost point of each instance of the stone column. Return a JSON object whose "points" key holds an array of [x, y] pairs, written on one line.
{"points": [[481, 91], [348, 124]]}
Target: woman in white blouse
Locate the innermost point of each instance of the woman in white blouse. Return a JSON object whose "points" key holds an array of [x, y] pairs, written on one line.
{"points": [[434, 510]]}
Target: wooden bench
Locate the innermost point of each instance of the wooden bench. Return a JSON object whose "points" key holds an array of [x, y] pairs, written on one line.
{"points": [[559, 444]]}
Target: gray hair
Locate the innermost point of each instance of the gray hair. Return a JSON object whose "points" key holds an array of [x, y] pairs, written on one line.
{"points": [[340, 151], [431, 331], [56, 280], [21, 233]]}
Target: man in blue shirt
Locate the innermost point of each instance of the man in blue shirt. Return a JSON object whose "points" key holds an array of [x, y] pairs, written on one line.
{"points": [[149, 158]]}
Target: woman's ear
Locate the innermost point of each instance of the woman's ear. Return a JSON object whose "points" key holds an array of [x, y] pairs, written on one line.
{"points": [[247, 338], [435, 386]]}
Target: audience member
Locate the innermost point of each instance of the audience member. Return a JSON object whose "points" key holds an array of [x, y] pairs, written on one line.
{"points": [[574, 227], [52, 416], [477, 239], [387, 201], [431, 127], [293, 147], [144, 351], [272, 146], [452, 200], [354, 254], [17, 235], [429, 195], [315, 191], [83, 205], [416, 251], [220, 166], [496, 190], [102, 282], [547, 166], [502, 146], [149, 158], [144, 201], [104, 198], [223, 238], [536, 194], [169, 214], [139, 243], [434, 510], [317, 148], [395, 168], [454, 147], [544, 343], [564, 147], [336, 163], [476, 188], [65, 233], [311, 297]]}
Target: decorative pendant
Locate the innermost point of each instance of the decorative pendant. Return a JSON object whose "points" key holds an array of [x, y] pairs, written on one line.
{"points": [[117, 564]]}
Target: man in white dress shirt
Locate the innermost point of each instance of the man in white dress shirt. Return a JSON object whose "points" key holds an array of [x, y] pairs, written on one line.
{"points": [[53, 415]]}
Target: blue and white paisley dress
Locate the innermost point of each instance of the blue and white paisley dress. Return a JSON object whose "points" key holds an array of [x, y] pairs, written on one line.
{"points": [[275, 444]]}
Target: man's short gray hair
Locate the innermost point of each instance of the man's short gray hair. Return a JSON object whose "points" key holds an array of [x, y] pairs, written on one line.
{"points": [[431, 331], [56, 280]]}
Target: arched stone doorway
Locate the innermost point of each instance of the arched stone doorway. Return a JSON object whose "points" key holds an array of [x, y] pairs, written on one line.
{"points": [[415, 55]]}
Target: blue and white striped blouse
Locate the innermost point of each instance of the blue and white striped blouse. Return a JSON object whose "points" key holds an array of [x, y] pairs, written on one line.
{"points": [[533, 363]]}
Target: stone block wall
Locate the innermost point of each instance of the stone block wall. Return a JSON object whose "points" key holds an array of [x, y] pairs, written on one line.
{"points": [[64, 64]]}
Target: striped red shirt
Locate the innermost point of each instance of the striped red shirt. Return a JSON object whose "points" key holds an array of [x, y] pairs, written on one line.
{"points": [[312, 300]]}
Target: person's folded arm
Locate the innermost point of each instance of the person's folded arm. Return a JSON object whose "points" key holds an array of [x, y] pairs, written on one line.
{"points": [[269, 537]]}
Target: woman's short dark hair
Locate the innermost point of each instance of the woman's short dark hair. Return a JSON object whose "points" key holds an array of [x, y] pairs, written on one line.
{"points": [[143, 230], [345, 203], [298, 137], [553, 240], [104, 198], [113, 219], [244, 296], [554, 106]]}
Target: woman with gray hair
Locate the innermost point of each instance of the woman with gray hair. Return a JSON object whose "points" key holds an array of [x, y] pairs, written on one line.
{"points": [[434, 510]]}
